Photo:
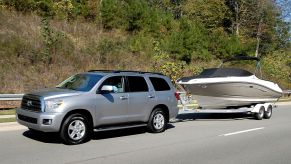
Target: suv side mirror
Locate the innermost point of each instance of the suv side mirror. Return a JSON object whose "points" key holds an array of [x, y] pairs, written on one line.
{"points": [[106, 89]]}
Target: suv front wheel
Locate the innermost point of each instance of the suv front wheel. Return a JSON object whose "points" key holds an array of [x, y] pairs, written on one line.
{"points": [[157, 122], [75, 129]]}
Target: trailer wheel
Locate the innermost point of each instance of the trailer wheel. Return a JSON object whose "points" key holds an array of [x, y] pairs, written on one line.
{"points": [[260, 114], [268, 112]]}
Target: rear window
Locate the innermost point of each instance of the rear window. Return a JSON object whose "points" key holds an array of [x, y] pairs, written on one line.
{"points": [[160, 84], [137, 84]]}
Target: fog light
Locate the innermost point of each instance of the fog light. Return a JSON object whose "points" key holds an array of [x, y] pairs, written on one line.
{"points": [[47, 121]]}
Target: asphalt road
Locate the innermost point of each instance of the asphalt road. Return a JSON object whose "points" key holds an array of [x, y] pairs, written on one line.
{"points": [[193, 138]]}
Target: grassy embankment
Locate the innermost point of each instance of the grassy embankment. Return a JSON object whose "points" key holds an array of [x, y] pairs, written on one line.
{"points": [[80, 46], [7, 112], [83, 46]]}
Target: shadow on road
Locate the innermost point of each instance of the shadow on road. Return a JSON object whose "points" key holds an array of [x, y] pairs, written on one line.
{"points": [[55, 139], [118, 133], [123, 132], [211, 117], [43, 137]]}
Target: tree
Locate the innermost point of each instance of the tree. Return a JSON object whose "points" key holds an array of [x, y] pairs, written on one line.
{"points": [[212, 13], [240, 14], [259, 23]]}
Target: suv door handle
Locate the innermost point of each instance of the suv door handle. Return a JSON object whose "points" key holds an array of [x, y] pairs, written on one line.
{"points": [[151, 96], [123, 98]]}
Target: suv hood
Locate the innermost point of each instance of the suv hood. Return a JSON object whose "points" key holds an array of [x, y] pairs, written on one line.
{"points": [[50, 93]]}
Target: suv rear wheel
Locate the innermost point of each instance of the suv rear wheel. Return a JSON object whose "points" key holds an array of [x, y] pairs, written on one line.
{"points": [[75, 129], [157, 122]]}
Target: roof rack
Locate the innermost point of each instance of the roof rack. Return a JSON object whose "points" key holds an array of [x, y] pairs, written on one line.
{"points": [[119, 71]]}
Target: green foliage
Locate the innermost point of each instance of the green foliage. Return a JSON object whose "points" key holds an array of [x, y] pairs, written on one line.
{"points": [[112, 14], [48, 40], [64, 9], [8, 112], [2, 120], [224, 46], [121, 33], [72, 9], [21, 5], [212, 13], [277, 68], [136, 15], [45, 8], [53, 40], [140, 42], [106, 46], [164, 64], [189, 42], [110, 49]]}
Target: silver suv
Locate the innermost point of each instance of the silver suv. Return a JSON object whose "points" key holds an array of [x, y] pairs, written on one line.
{"points": [[100, 100]]}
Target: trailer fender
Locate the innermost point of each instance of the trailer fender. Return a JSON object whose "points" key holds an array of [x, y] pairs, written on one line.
{"points": [[257, 107], [266, 105]]}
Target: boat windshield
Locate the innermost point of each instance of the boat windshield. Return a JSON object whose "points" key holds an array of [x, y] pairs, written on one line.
{"points": [[243, 62], [218, 72], [223, 72], [80, 82]]}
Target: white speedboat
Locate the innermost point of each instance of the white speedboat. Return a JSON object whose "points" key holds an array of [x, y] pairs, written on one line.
{"points": [[230, 87]]}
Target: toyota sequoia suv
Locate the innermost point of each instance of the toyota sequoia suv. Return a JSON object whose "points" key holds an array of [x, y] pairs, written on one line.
{"points": [[100, 100]]}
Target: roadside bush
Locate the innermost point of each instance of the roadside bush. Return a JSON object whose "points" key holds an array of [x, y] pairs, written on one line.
{"points": [[140, 42], [21, 5], [223, 46], [164, 64], [189, 42], [137, 14], [112, 13], [275, 67]]}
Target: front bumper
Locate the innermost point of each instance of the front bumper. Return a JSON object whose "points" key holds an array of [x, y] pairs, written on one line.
{"points": [[41, 121]]}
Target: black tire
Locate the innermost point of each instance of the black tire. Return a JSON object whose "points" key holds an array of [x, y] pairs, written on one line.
{"points": [[260, 114], [268, 113], [157, 121], [80, 134]]}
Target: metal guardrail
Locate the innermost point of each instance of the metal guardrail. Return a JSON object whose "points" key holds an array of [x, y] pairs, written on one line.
{"points": [[11, 97], [287, 93]]}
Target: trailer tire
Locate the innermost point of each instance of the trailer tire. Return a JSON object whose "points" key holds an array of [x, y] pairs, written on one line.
{"points": [[260, 114], [268, 112]]}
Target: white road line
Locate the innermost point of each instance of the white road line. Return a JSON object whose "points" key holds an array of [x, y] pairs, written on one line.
{"points": [[243, 131]]}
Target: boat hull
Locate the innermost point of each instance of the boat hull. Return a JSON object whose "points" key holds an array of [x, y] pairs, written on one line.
{"points": [[232, 93], [229, 102]]}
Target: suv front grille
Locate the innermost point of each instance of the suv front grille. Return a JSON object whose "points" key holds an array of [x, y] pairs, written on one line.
{"points": [[31, 102]]}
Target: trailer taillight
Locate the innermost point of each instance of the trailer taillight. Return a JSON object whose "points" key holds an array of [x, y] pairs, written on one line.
{"points": [[177, 95]]}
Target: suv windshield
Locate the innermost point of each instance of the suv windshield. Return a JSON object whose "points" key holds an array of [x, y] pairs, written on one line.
{"points": [[80, 82]]}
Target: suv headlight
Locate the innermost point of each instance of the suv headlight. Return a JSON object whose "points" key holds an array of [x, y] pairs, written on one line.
{"points": [[53, 104]]}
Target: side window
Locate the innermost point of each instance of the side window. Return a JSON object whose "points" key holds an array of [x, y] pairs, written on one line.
{"points": [[137, 84], [117, 82], [160, 84]]}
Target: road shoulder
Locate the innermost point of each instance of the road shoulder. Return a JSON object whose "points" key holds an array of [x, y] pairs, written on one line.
{"points": [[11, 126]]}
